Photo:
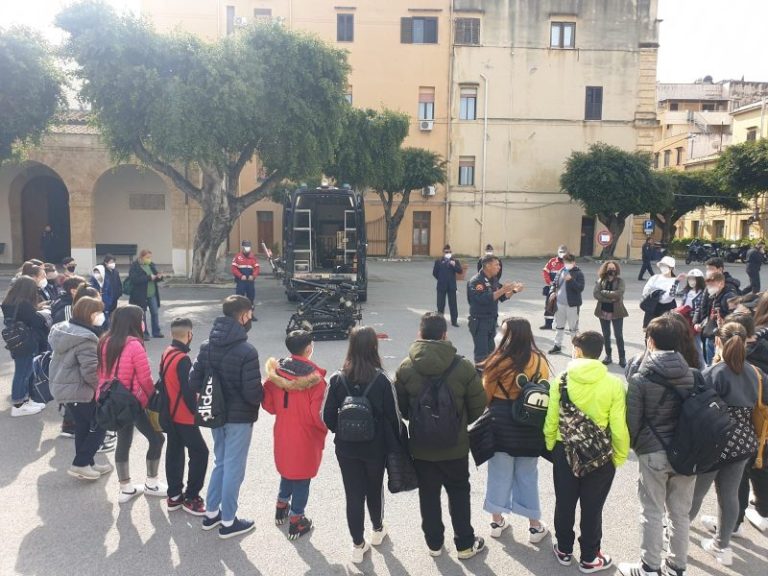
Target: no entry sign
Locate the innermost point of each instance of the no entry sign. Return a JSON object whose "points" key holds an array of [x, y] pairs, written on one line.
{"points": [[604, 238]]}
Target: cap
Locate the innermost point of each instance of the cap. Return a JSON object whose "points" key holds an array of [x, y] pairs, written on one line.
{"points": [[488, 248], [695, 273], [447, 248], [667, 261], [562, 248], [245, 243]]}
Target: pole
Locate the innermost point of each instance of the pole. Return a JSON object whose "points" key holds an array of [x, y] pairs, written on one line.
{"points": [[485, 163]]}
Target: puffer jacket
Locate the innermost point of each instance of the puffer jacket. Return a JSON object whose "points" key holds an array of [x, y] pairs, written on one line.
{"points": [[757, 355], [431, 358], [228, 351], [649, 402], [73, 372], [132, 370], [294, 392]]}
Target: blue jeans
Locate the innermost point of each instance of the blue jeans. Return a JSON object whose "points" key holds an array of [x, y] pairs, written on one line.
{"points": [[709, 350], [22, 377], [230, 454], [296, 492], [154, 311], [513, 486], [245, 288]]}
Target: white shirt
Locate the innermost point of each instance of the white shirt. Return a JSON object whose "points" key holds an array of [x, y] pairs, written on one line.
{"points": [[659, 282]]}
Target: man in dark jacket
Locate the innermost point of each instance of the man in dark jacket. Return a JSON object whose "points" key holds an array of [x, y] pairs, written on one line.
{"points": [[433, 358], [568, 284], [755, 257], [228, 354], [713, 309], [445, 271], [145, 291], [112, 289], [647, 256], [652, 416]]}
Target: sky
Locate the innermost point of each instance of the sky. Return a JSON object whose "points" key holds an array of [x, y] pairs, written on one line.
{"points": [[719, 38]]}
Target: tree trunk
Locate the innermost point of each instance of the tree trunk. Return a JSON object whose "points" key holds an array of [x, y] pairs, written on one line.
{"points": [[218, 218], [615, 224]]}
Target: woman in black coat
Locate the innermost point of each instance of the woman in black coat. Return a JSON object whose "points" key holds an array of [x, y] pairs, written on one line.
{"points": [[145, 291]]}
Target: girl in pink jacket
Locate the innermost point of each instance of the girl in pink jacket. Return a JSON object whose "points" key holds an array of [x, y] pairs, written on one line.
{"points": [[122, 356]]}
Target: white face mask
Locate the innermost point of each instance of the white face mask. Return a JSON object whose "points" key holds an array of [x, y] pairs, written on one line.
{"points": [[569, 267], [712, 290], [100, 319], [561, 254], [489, 253], [447, 255], [246, 249], [42, 283], [692, 282], [111, 266], [664, 269]]}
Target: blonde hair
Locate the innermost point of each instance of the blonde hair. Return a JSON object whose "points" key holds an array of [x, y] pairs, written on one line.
{"points": [[733, 337]]}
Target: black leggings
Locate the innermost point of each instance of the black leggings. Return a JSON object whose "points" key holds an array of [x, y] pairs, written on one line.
{"points": [[618, 332], [125, 440], [363, 484]]}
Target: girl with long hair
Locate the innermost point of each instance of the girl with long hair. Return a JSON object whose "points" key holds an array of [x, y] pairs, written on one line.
{"points": [[122, 356], [362, 463], [513, 478], [610, 309]]}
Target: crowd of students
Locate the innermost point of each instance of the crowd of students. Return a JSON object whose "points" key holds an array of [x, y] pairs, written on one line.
{"points": [[585, 427]]}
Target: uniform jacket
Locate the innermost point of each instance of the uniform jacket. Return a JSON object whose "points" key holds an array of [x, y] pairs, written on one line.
{"points": [[244, 265], [754, 261], [432, 358], [294, 392], [551, 268], [600, 396], [73, 372], [615, 296], [480, 296], [140, 281], [445, 274], [132, 370], [228, 351], [574, 287], [176, 365], [647, 252], [648, 401]]}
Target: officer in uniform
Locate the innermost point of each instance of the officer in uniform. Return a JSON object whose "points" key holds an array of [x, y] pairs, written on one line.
{"points": [[245, 269], [445, 271], [484, 292], [550, 270], [489, 252]]}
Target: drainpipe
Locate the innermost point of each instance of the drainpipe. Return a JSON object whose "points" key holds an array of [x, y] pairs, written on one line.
{"points": [[762, 120], [485, 156]]}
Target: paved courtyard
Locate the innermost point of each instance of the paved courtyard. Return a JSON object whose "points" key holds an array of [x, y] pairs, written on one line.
{"points": [[55, 525]]}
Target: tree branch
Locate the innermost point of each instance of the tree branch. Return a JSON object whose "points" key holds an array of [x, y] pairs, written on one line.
{"points": [[256, 194], [165, 168], [400, 212]]}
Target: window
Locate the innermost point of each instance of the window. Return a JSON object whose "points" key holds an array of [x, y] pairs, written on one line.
{"points": [[467, 31], [146, 201], [418, 30], [466, 170], [263, 15], [718, 229], [348, 94], [345, 27], [708, 107], [562, 35], [667, 156], [744, 226], [679, 156], [752, 134], [426, 103], [656, 160], [594, 103], [695, 228], [674, 106], [230, 20], [468, 103]]}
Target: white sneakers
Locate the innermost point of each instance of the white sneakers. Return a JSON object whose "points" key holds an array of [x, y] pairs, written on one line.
{"points": [[535, 535], [377, 536], [759, 522], [128, 493], [497, 528], [83, 472], [103, 468], [29, 408], [156, 489], [358, 552], [724, 556], [710, 523]]}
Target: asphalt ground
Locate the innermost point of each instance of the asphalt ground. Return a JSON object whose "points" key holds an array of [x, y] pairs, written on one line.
{"points": [[55, 525]]}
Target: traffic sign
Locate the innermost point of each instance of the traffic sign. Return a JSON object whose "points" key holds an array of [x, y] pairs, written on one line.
{"points": [[604, 238], [649, 226]]}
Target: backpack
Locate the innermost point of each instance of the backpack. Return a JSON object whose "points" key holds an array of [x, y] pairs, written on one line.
{"points": [[19, 340], [760, 421], [355, 416], [587, 446], [127, 286], [40, 388], [160, 402], [117, 406], [435, 420], [211, 409], [530, 407], [702, 430]]}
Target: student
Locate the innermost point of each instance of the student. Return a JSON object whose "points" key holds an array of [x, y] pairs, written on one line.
{"points": [[610, 309], [52, 290], [666, 283], [294, 392], [736, 381], [513, 476], [568, 284], [122, 356], [61, 310], [652, 416], [70, 265], [22, 304], [602, 398], [145, 293], [362, 463], [73, 376], [97, 278], [432, 356], [236, 362], [183, 434], [713, 310], [112, 289]]}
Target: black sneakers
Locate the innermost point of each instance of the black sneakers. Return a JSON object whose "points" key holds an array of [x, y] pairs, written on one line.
{"points": [[211, 523], [298, 527], [281, 512], [237, 528]]}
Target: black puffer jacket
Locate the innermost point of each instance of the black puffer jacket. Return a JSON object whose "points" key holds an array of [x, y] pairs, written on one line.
{"points": [[651, 402], [757, 354], [228, 351], [512, 437]]}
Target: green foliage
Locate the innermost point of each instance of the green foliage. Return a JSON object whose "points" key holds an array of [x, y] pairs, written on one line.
{"points": [[421, 168], [743, 168], [30, 89]]}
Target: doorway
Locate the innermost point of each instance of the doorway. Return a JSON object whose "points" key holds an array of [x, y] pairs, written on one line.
{"points": [[45, 200], [421, 233], [265, 229], [587, 236]]}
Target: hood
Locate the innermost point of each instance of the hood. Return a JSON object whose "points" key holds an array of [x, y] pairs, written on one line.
{"points": [[226, 332], [100, 269], [65, 336], [735, 282], [757, 353], [669, 365], [586, 371], [293, 373], [431, 357]]}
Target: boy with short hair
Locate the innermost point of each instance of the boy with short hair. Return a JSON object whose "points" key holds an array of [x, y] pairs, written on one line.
{"points": [[601, 397], [568, 284], [294, 393], [183, 433]]}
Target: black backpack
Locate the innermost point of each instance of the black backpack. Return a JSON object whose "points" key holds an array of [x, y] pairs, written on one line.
{"points": [[702, 430], [211, 409], [40, 387], [160, 402], [530, 407], [434, 419], [356, 422]]}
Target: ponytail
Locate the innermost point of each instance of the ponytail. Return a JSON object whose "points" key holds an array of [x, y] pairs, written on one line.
{"points": [[734, 339]]}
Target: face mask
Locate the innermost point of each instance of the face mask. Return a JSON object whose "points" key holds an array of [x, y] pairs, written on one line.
{"points": [[569, 267], [248, 325], [712, 290], [97, 276], [664, 269], [611, 272], [561, 255], [246, 250], [100, 319], [42, 283], [489, 253], [447, 255], [111, 266], [148, 261], [692, 282], [71, 268]]}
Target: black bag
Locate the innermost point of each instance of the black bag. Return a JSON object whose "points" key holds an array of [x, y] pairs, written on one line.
{"points": [[649, 303], [19, 339], [356, 422], [702, 430], [741, 443], [435, 419], [401, 473], [160, 402], [587, 446], [40, 390], [710, 328], [481, 440], [117, 406], [211, 410], [530, 407]]}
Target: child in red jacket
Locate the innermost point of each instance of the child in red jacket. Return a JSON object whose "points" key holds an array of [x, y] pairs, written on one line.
{"points": [[294, 392]]}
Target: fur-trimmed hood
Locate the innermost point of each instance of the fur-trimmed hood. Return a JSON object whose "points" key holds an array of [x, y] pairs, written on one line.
{"points": [[294, 373]]}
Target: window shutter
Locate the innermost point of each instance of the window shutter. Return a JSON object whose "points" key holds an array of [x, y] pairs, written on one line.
{"points": [[406, 30], [430, 30]]}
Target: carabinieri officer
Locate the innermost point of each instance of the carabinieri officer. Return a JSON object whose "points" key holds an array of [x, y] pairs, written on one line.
{"points": [[484, 292]]}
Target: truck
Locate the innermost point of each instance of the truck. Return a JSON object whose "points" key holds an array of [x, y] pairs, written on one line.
{"points": [[324, 240]]}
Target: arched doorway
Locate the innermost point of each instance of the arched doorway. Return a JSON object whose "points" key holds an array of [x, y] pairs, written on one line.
{"points": [[45, 201]]}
